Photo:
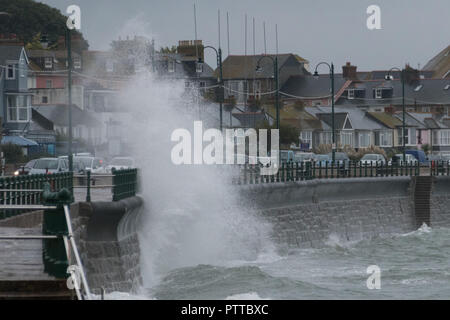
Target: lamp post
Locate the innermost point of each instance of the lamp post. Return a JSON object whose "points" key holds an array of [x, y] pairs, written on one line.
{"points": [[69, 87], [275, 74], [389, 77], [333, 134], [220, 80]]}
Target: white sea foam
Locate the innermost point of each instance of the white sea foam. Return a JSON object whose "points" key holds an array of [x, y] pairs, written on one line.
{"points": [[246, 296]]}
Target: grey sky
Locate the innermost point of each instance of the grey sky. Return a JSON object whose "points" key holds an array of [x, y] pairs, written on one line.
{"points": [[413, 31]]}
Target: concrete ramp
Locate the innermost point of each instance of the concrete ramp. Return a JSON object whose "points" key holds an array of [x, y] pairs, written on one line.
{"points": [[22, 273]]}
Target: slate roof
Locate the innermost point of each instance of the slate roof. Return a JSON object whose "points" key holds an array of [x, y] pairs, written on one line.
{"points": [[386, 119], [244, 67], [432, 93], [440, 64], [311, 87], [359, 119], [250, 119], [9, 52], [58, 115]]}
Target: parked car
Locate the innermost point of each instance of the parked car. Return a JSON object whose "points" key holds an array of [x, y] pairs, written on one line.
{"points": [[419, 155], [24, 170], [372, 160], [304, 157], [322, 160], [341, 160], [92, 164], [286, 156], [78, 166], [398, 159], [49, 166], [121, 163]]}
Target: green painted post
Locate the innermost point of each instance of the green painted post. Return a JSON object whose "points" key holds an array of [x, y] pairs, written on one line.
{"points": [[88, 192]]}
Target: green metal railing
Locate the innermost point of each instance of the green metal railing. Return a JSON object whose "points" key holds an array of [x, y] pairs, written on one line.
{"points": [[125, 183], [27, 190], [301, 171]]}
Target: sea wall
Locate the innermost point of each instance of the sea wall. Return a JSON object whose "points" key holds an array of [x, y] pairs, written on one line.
{"points": [[111, 262], [440, 202], [310, 213]]}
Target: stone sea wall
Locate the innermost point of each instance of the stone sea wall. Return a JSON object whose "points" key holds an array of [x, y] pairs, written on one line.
{"points": [[311, 213]]}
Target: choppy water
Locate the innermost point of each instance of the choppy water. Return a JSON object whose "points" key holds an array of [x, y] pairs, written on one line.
{"points": [[413, 266]]}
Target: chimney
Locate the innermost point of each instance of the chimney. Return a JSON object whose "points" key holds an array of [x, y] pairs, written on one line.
{"points": [[349, 71]]}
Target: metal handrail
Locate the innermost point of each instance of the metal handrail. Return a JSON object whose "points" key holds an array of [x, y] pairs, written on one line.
{"points": [[77, 255]]}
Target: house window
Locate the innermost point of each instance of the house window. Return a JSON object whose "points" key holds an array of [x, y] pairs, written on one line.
{"points": [[77, 63], [444, 137], [257, 89], [347, 138], [383, 138], [199, 67], [351, 94], [306, 138], [171, 66], [44, 99], [48, 84], [109, 65], [18, 107], [410, 135], [378, 93], [10, 72], [48, 63], [326, 138], [364, 139], [426, 109]]}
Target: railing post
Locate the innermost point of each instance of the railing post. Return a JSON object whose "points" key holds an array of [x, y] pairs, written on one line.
{"points": [[88, 191]]}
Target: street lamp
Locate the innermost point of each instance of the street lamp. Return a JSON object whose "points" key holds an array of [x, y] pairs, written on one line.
{"points": [[389, 77], [275, 73], [316, 75], [220, 79]]}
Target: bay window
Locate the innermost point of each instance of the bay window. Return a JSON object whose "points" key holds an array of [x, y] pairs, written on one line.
{"points": [[364, 139], [326, 137], [441, 138], [347, 138], [306, 137], [383, 138], [18, 108]]}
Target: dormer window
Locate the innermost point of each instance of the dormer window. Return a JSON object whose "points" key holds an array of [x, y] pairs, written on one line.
{"points": [[48, 63], [418, 88], [171, 66], [378, 93], [351, 94], [77, 63]]}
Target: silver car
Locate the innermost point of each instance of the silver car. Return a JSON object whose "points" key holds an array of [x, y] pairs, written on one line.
{"points": [[49, 165]]}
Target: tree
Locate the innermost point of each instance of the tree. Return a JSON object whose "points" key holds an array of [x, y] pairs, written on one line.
{"points": [[13, 153], [28, 18], [173, 49]]}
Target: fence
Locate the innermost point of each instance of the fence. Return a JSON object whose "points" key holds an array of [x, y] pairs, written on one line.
{"points": [[300, 171], [124, 184], [23, 191]]}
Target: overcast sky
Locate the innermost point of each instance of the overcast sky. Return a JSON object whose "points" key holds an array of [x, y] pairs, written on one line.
{"points": [[413, 31]]}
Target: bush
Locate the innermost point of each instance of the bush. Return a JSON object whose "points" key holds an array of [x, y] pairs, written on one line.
{"points": [[13, 153]]}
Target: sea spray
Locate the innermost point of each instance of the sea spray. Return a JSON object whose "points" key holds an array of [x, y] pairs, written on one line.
{"points": [[193, 213]]}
